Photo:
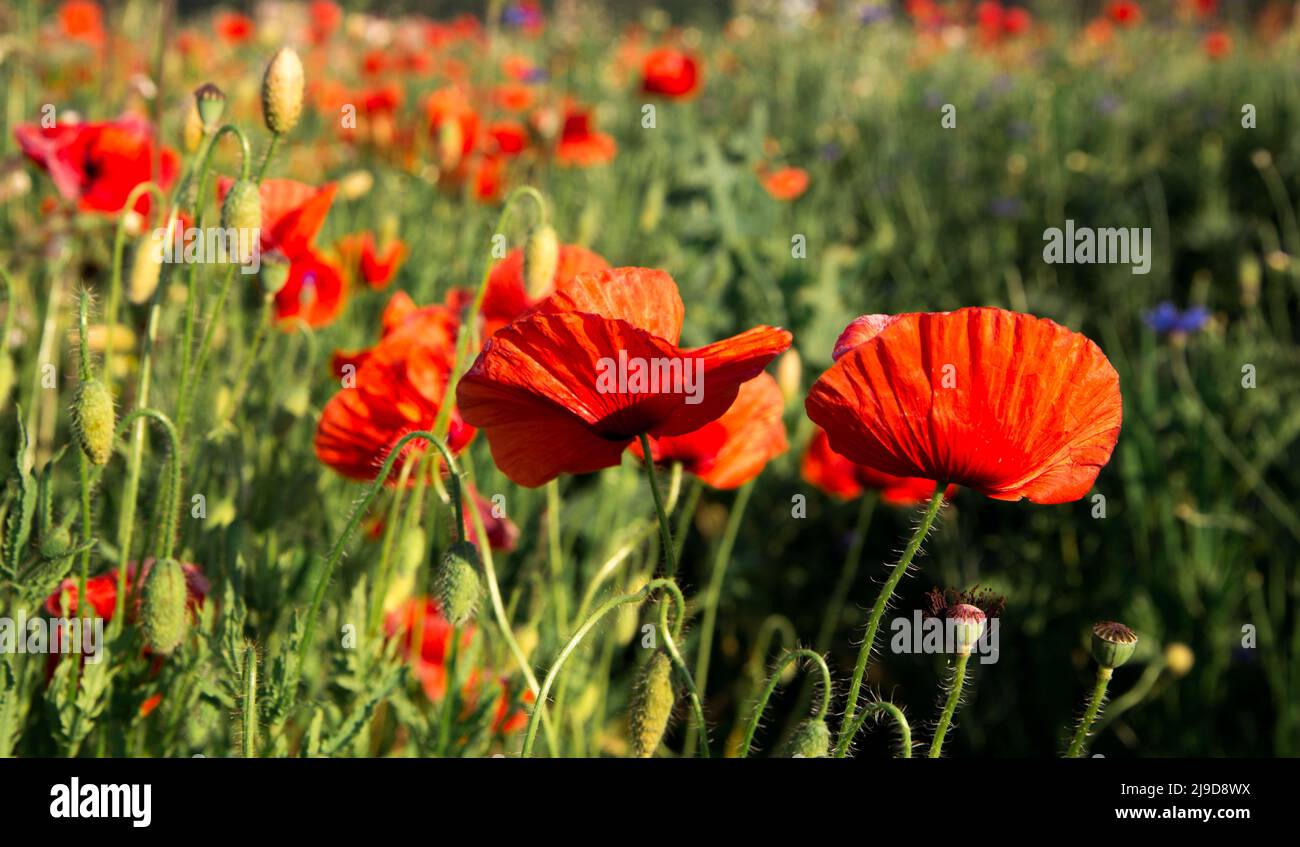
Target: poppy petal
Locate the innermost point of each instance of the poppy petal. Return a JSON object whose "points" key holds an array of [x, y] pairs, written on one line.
{"points": [[643, 297]]}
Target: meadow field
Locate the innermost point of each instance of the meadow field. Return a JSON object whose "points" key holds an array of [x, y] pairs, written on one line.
{"points": [[227, 530]]}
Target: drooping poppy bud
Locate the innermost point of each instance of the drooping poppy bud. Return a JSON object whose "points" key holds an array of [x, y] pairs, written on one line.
{"points": [[652, 705], [1113, 644], [457, 582], [164, 614], [93, 420], [810, 740], [282, 88], [541, 259]]}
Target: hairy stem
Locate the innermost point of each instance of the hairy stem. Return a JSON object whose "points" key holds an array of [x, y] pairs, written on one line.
{"points": [[950, 707], [774, 679], [1094, 706]]}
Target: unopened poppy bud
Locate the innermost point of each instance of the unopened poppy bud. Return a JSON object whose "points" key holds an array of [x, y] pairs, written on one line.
{"points": [[968, 625], [652, 705], [146, 268], [541, 258], [810, 740], [92, 420], [210, 102], [282, 87], [56, 544], [164, 613], [242, 213], [457, 582], [1113, 644]]}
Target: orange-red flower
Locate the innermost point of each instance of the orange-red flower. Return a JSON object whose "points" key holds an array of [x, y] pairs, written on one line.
{"points": [[1005, 403], [395, 387], [786, 183], [233, 28], [453, 123], [313, 292], [507, 297], [670, 72], [1124, 12], [729, 452], [1217, 44], [428, 659], [567, 387], [326, 17], [376, 267], [580, 144], [292, 212], [847, 480], [82, 20], [98, 164]]}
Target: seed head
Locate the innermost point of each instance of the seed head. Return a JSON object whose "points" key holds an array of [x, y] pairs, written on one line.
{"points": [[969, 622], [1113, 644], [210, 102]]}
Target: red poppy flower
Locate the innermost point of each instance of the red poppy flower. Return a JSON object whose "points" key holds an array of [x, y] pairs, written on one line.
{"points": [[313, 292], [421, 617], [147, 707], [453, 123], [1005, 403], [580, 144], [98, 164], [786, 183], [669, 72], [292, 212], [1217, 44], [489, 178], [729, 452], [513, 97], [847, 480], [325, 20], [509, 138], [566, 388], [1124, 12], [233, 28], [396, 386], [82, 20], [507, 296], [102, 591], [376, 268]]}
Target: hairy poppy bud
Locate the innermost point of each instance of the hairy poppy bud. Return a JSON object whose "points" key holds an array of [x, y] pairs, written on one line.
{"points": [[146, 268], [56, 544], [210, 102], [242, 212], [652, 705], [457, 582], [968, 625], [541, 258], [810, 740], [282, 91], [1113, 644], [165, 616], [92, 420]]}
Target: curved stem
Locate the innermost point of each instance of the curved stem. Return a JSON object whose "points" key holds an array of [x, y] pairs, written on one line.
{"points": [[670, 644], [1094, 706], [878, 611], [950, 707], [772, 681], [270, 152], [875, 709]]}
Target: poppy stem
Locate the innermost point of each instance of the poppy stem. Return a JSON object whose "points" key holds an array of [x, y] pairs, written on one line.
{"points": [[168, 507], [555, 555], [950, 707], [878, 612], [83, 328], [885, 707], [1094, 706], [774, 679], [665, 533]]}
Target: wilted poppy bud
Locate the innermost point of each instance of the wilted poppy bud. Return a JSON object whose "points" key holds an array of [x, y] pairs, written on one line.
{"points": [[652, 705], [210, 102], [282, 91], [1113, 644], [146, 268], [968, 625], [457, 582], [242, 212], [810, 740], [165, 617], [541, 258], [92, 420]]}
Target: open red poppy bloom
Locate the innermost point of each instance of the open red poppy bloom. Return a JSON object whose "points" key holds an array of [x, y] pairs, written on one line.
{"points": [[98, 164], [292, 212], [313, 292], [82, 20], [233, 28], [670, 72], [507, 296], [395, 387], [786, 183], [1005, 403], [847, 480], [729, 452], [428, 659], [376, 267], [566, 388], [580, 144]]}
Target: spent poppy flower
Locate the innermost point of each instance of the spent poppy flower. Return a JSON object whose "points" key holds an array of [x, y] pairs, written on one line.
{"points": [[313, 291], [729, 452], [395, 387], [786, 183], [670, 72], [1005, 403], [580, 144], [99, 164], [292, 212], [567, 387], [847, 480], [453, 123]]}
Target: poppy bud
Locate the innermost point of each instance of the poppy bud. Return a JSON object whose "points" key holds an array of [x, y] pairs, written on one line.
{"points": [[968, 624], [165, 617], [274, 275], [56, 544], [145, 269], [1113, 644], [541, 258], [210, 102], [810, 740], [92, 420], [652, 705], [457, 583], [242, 212], [282, 91]]}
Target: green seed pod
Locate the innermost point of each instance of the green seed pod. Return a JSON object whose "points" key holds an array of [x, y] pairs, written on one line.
{"points": [[1113, 644], [282, 91], [652, 705], [242, 212], [210, 102], [56, 544], [92, 420], [541, 258], [457, 582], [810, 740], [164, 613]]}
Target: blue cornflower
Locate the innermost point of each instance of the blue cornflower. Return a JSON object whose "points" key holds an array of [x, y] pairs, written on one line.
{"points": [[1166, 319]]}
